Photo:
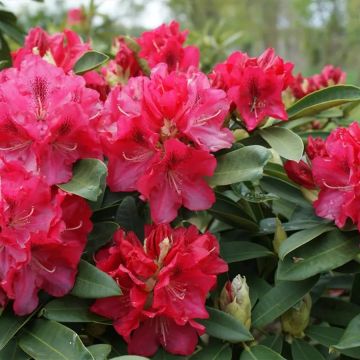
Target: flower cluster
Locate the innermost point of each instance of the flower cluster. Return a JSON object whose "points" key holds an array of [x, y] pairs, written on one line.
{"points": [[329, 75], [164, 285], [42, 237], [62, 49], [157, 128], [332, 167], [254, 85], [46, 119]]}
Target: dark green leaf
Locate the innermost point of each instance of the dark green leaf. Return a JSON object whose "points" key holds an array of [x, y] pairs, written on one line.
{"points": [[279, 299], [10, 325], [326, 253], [225, 327], [164, 355], [100, 351], [216, 350], [100, 235], [245, 164], [323, 99], [301, 350], [302, 237], [46, 339], [355, 290], [92, 283], [274, 342], [13, 352], [12, 30], [89, 61], [284, 141], [87, 177], [128, 218], [129, 357], [260, 352], [5, 52], [71, 309], [351, 337], [231, 213], [234, 251]]}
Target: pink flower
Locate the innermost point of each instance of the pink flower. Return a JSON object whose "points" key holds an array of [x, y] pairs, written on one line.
{"points": [[329, 76], [164, 285], [63, 49], [165, 45], [153, 129], [300, 172], [96, 81], [254, 85], [75, 16], [43, 234], [46, 119]]}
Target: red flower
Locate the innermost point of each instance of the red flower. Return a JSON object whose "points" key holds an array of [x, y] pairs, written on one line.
{"points": [[165, 45], [46, 119], [75, 16], [300, 172], [42, 237], [164, 285], [96, 81], [154, 129], [254, 85], [62, 49]]}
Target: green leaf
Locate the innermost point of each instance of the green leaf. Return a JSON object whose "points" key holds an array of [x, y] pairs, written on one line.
{"points": [[129, 357], [100, 351], [225, 327], [87, 177], [100, 235], [10, 325], [5, 51], [301, 350], [128, 218], [89, 61], [279, 299], [284, 141], [274, 342], [327, 336], [245, 164], [163, 355], [231, 213], [234, 251], [216, 350], [335, 311], [301, 238], [92, 283], [260, 352], [13, 352], [71, 309], [351, 337], [323, 99], [46, 339], [326, 253]]}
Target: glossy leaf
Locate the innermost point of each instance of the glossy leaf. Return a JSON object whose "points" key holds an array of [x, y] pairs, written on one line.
{"points": [[46, 339], [71, 309], [274, 342], [279, 299], [234, 251], [326, 253], [87, 178], [301, 238], [245, 164], [323, 99], [301, 350], [12, 351], [92, 283], [216, 350], [284, 141], [225, 327], [89, 61], [260, 352]]}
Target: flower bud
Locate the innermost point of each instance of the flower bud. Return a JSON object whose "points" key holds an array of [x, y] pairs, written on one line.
{"points": [[234, 300], [279, 236], [295, 320], [309, 195], [240, 134]]}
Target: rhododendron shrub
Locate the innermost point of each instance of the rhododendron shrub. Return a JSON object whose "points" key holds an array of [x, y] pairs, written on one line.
{"points": [[149, 208]]}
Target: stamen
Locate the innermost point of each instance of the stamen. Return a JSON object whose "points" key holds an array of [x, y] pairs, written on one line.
{"points": [[156, 46], [202, 120], [123, 111], [75, 227], [43, 267], [135, 158], [23, 220], [177, 289], [66, 147], [17, 147], [345, 188]]}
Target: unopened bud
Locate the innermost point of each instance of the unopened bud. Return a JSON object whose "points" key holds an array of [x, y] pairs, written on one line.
{"points": [[279, 235], [235, 300], [295, 320]]}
